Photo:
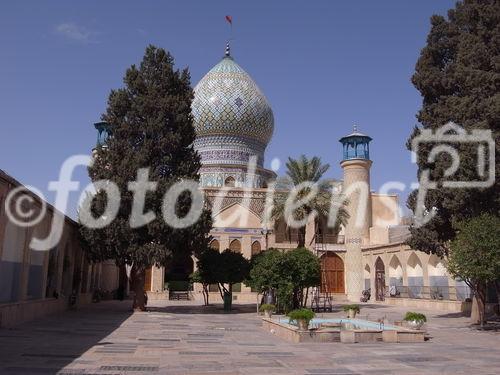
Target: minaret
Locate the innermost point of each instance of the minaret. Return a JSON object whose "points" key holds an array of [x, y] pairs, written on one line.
{"points": [[104, 131], [356, 165]]}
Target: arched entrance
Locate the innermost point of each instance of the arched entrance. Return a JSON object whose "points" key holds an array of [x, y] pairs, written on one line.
{"points": [[379, 280], [332, 274]]}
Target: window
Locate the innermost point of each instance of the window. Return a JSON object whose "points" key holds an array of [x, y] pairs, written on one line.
{"points": [[230, 181]]}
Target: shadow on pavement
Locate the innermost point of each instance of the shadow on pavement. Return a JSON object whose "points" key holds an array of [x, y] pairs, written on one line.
{"points": [[47, 345], [201, 309]]}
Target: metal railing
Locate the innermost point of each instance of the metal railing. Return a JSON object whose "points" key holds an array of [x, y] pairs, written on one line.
{"points": [[449, 293]]}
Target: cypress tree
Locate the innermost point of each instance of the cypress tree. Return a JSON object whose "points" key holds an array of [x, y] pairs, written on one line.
{"points": [[152, 127], [458, 76]]}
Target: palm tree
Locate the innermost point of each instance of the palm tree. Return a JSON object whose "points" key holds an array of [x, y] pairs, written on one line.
{"points": [[303, 176]]}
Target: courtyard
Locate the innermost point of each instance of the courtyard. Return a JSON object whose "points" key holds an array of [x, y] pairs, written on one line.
{"points": [[177, 337]]}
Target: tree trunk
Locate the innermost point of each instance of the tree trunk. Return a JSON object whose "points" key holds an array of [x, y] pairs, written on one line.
{"points": [[302, 236], [138, 275], [480, 301], [305, 299], [205, 293]]}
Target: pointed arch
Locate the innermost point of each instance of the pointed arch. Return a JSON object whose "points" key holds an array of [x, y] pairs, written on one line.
{"points": [[415, 274], [235, 245], [438, 278], [379, 279], [215, 245], [395, 272], [256, 248]]}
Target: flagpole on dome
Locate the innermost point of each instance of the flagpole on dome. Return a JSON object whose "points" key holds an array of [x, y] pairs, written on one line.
{"points": [[229, 19]]}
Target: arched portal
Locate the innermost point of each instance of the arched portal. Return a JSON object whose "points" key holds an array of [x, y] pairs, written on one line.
{"points": [[379, 279], [395, 272], [215, 245], [256, 248], [415, 276], [332, 274], [438, 279], [235, 245]]}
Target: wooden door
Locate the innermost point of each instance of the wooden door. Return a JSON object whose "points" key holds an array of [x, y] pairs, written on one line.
{"points": [[332, 274]]}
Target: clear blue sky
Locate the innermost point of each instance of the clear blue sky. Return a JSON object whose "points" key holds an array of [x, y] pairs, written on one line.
{"points": [[323, 65]]}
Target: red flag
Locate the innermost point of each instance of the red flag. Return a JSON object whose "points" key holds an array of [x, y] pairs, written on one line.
{"points": [[229, 19]]}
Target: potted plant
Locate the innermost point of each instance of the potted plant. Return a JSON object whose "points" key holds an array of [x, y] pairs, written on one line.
{"points": [[267, 309], [414, 320], [351, 310], [302, 317]]}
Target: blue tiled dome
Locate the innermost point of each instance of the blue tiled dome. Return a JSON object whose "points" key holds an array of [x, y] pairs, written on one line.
{"points": [[233, 122]]}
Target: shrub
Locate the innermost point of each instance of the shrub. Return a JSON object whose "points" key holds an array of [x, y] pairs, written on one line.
{"points": [[414, 316], [267, 307], [301, 314], [351, 307]]}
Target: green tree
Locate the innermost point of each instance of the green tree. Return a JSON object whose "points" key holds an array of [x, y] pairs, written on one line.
{"points": [[208, 271], [224, 269], [288, 273], [304, 175], [306, 273], [458, 75], [152, 128], [265, 272], [233, 269], [475, 256]]}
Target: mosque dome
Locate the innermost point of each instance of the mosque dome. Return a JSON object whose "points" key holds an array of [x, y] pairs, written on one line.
{"points": [[232, 118]]}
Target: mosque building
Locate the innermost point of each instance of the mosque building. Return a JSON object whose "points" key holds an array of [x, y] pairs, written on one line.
{"points": [[234, 123]]}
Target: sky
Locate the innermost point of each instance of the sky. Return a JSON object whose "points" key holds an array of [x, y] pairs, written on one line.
{"points": [[323, 65]]}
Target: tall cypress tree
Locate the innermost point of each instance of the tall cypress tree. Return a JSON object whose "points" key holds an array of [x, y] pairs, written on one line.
{"points": [[458, 75], [152, 127]]}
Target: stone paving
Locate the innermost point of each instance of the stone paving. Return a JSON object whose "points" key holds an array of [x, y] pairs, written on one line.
{"points": [[184, 338]]}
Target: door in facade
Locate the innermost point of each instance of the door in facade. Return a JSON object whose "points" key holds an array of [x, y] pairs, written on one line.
{"points": [[379, 280], [147, 280], [332, 274]]}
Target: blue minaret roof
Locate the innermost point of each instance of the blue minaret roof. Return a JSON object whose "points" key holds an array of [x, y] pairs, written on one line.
{"points": [[356, 145], [104, 131]]}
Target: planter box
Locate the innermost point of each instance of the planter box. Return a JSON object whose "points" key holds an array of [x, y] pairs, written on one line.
{"points": [[360, 336], [403, 336], [291, 333]]}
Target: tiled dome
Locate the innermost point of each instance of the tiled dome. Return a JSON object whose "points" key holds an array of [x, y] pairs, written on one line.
{"points": [[232, 118]]}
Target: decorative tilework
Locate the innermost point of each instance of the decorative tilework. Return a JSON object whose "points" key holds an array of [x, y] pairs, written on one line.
{"points": [[233, 122]]}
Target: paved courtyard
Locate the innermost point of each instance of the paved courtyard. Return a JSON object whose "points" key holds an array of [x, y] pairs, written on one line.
{"points": [[184, 338]]}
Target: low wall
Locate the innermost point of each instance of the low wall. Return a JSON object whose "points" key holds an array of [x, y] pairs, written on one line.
{"points": [[238, 297], [431, 304], [12, 314], [155, 296]]}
